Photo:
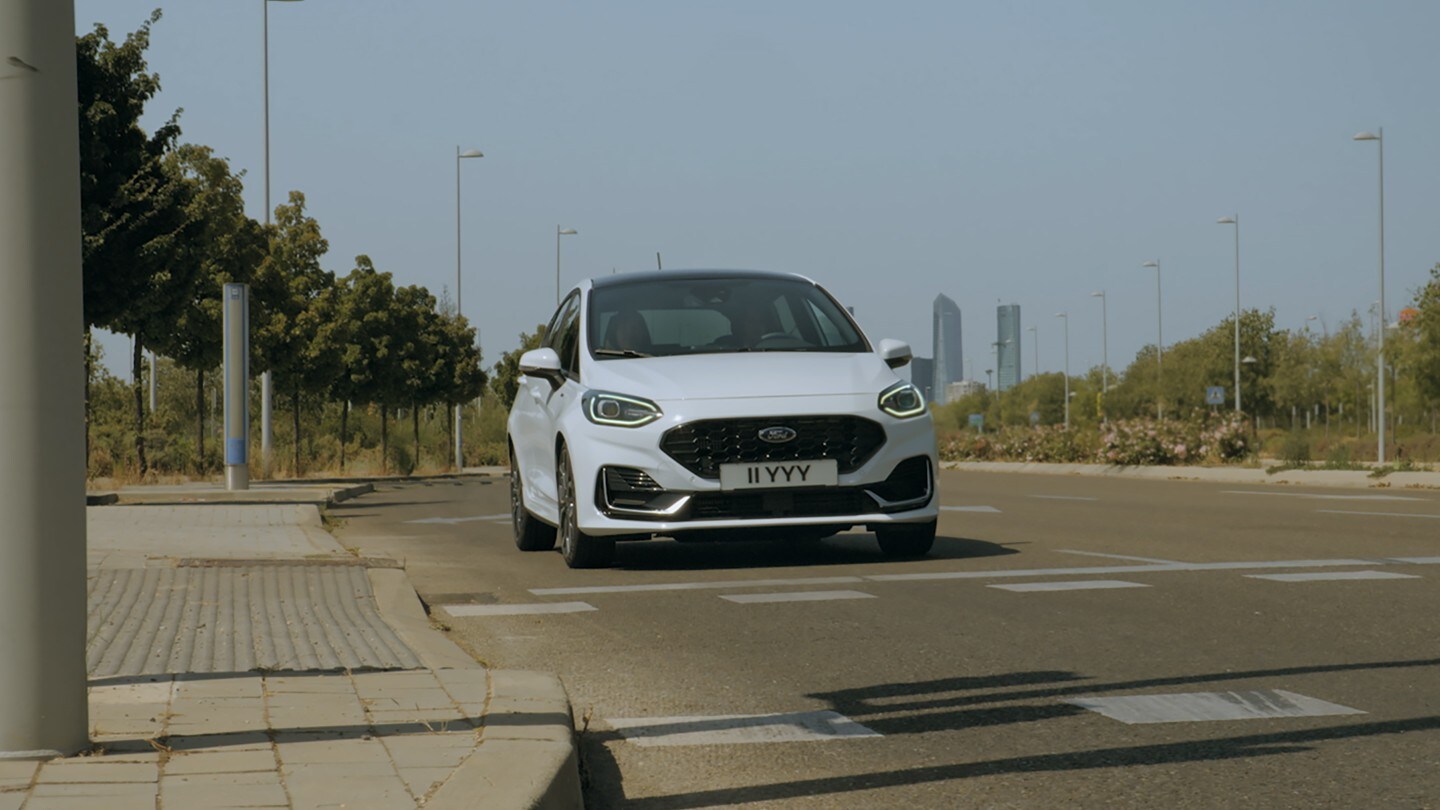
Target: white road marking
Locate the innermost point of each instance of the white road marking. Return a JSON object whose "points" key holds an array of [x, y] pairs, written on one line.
{"points": [[970, 509], [1029, 573], [517, 610], [799, 596], [1116, 556], [1202, 706], [1062, 497], [1119, 569], [453, 521], [734, 729], [1318, 496], [1332, 575], [1377, 514], [1072, 585], [693, 586]]}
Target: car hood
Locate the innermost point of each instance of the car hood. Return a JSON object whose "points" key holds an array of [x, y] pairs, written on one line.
{"points": [[742, 374]]}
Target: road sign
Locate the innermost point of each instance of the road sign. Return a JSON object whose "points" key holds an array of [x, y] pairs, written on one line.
{"points": [[1215, 395], [977, 421]]}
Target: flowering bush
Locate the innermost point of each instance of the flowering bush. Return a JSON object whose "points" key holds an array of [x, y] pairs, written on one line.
{"points": [[1201, 439]]}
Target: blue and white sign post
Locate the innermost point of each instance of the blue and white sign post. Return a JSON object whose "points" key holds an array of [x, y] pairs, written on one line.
{"points": [[237, 386]]}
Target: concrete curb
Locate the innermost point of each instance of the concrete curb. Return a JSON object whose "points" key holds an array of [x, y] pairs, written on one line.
{"points": [[1354, 479], [320, 496], [527, 756]]}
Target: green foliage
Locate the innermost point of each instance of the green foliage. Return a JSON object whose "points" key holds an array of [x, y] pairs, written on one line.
{"points": [[506, 381]]}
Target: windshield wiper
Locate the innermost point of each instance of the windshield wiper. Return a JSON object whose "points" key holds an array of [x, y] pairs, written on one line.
{"points": [[620, 353]]}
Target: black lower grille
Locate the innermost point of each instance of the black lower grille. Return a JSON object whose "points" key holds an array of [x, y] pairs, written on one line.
{"points": [[702, 446], [782, 503]]}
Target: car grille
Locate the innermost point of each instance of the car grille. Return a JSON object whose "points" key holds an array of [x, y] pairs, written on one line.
{"points": [[702, 446], [777, 504]]}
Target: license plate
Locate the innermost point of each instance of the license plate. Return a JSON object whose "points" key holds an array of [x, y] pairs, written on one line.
{"points": [[780, 474]]}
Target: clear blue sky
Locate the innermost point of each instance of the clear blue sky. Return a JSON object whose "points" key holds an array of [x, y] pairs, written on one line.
{"points": [[1028, 152]]}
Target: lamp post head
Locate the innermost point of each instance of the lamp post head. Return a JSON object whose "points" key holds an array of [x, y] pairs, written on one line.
{"points": [[1366, 136], [1155, 263], [565, 231], [1062, 315], [468, 153], [1100, 294], [1225, 221]]}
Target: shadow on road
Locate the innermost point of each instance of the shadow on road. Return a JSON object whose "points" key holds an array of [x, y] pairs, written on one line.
{"points": [[1019, 697], [845, 549]]}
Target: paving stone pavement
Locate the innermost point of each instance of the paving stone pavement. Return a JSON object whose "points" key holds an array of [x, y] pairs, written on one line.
{"points": [[313, 725]]}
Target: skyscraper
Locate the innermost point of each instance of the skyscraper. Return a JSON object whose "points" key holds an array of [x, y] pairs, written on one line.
{"points": [[1007, 345], [949, 355], [922, 374]]}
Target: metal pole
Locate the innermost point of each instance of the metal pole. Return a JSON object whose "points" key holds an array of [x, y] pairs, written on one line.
{"points": [[266, 433], [557, 265], [154, 392], [1159, 347], [1066, 317], [459, 442], [43, 701], [236, 353], [1237, 313], [1035, 341], [1380, 358]]}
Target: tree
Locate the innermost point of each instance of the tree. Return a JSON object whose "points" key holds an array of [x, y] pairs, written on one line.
{"points": [[1426, 327], [226, 246], [134, 213], [505, 382], [367, 303], [298, 335]]}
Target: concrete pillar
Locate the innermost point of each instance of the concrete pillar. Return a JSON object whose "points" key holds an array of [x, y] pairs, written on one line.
{"points": [[42, 435], [236, 324]]}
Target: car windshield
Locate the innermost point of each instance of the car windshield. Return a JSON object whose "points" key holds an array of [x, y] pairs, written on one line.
{"points": [[666, 317]]}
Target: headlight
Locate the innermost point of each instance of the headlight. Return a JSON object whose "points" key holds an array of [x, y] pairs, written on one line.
{"points": [[902, 400], [604, 408]]}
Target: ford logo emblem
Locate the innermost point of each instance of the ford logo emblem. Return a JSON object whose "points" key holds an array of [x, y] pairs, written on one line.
{"points": [[777, 435]]}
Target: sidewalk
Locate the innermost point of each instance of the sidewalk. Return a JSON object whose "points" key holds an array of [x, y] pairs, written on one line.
{"points": [[240, 657], [1232, 475]]}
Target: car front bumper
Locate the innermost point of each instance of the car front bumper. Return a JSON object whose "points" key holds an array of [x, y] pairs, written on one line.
{"points": [[895, 484]]}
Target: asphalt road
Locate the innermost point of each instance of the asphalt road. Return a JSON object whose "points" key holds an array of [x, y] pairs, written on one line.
{"points": [[1249, 647]]}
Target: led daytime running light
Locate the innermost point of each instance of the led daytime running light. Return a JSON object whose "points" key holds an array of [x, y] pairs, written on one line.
{"points": [[891, 401]]}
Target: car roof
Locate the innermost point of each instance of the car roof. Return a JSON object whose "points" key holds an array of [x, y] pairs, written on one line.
{"points": [[600, 282]]}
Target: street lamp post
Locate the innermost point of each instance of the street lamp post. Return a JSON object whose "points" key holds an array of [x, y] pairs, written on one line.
{"points": [[1159, 340], [1379, 137], [1035, 342], [559, 232], [1235, 220], [266, 397], [459, 156], [1104, 342], [1065, 316]]}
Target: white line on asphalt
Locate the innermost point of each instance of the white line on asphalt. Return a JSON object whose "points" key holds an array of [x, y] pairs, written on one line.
{"points": [[1317, 496], [1332, 575], [1072, 585], [1116, 556], [1200, 706], [1377, 514], [820, 726], [693, 586], [798, 596], [453, 521], [1090, 571], [1063, 497], [517, 610], [1118, 569], [970, 509]]}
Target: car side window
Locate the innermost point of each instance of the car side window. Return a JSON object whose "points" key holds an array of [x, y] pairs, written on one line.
{"points": [[568, 337]]}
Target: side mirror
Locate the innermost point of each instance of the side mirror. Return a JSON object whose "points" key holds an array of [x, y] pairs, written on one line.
{"points": [[895, 353], [544, 364]]}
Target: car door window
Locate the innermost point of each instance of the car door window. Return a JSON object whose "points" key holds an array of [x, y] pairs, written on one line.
{"points": [[567, 343]]}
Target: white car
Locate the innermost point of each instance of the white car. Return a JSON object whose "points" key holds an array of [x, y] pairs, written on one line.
{"points": [[697, 404]]}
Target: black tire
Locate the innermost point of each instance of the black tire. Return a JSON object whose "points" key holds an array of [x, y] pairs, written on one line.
{"points": [[579, 549], [530, 533], [906, 540]]}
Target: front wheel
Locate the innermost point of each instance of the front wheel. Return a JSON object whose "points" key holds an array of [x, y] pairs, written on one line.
{"points": [[579, 549], [906, 540], [530, 533]]}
